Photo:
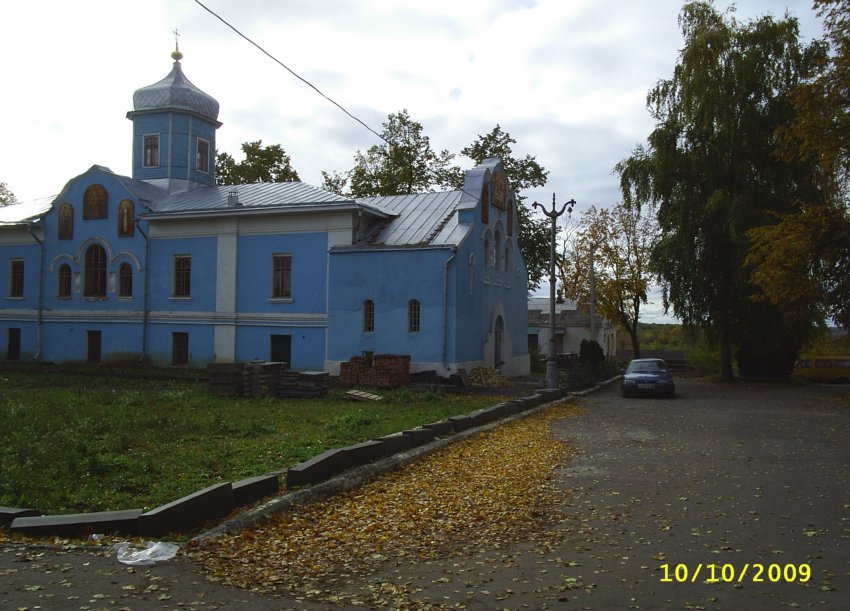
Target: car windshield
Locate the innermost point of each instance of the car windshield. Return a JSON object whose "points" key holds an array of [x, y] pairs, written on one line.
{"points": [[646, 367]]}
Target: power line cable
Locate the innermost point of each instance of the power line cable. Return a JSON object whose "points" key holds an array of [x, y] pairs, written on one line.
{"points": [[292, 72], [303, 80]]}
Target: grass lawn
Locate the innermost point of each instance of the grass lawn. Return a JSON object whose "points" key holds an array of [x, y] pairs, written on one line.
{"points": [[104, 440]]}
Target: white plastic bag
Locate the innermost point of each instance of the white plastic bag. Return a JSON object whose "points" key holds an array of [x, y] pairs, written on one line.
{"points": [[154, 551]]}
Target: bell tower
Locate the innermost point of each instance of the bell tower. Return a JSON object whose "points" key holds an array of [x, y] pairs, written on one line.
{"points": [[174, 125]]}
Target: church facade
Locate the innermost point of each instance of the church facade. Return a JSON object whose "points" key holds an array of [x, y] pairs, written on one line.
{"points": [[166, 267]]}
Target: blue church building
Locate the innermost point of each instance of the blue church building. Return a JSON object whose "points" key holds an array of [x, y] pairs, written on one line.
{"points": [[167, 268]]}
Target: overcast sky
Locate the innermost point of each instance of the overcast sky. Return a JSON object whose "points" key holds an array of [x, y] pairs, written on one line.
{"points": [[566, 78]]}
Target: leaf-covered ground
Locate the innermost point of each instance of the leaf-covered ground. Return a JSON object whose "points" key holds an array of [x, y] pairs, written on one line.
{"points": [[486, 491]]}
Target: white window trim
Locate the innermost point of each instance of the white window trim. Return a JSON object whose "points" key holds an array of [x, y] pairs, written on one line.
{"points": [[158, 151], [205, 170]]}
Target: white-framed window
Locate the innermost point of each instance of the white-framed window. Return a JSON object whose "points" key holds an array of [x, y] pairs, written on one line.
{"points": [[63, 291], [16, 278], [202, 163], [182, 276], [95, 272], [125, 280], [150, 150], [281, 276]]}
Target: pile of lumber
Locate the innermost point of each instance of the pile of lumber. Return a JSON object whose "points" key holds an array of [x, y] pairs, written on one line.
{"points": [[262, 379], [303, 384], [224, 379], [487, 377]]}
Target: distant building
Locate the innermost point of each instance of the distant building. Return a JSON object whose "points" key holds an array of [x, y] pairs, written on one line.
{"points": [[571, 327], [168, 268]]}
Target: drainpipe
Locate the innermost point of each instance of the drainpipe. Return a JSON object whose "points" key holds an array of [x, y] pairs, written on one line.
{"points": [[146, 291], [446, 307], [40, 292]]}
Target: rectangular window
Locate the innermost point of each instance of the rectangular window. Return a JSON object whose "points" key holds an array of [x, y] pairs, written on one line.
{"points": [[182, 286], [151, 150], [64, 289], [16, 278], [368, 316], [125, 280], [282, 277], [413, 316], [179, 348], [203, 158]]}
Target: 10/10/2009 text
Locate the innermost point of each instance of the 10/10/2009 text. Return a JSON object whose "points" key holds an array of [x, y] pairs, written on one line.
{"points": [[729, 573]]}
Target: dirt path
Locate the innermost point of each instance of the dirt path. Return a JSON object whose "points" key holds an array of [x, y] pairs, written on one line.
{"points": [[740, 477]]}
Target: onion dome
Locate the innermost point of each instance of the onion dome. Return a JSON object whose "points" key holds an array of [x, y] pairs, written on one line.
{"points": [[175, 92]]}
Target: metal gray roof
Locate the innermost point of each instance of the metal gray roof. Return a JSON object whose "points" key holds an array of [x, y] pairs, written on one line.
{"points": [[541, 304], [422, 219], [252, 196], [15, 214], [175, 92]]}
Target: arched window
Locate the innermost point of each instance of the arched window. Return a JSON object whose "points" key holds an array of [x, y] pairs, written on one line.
{"points": [[63, 291], [125, 280], [66, 222], [95, 202], [368, 316], [95, 272], [126, 219], [507, 256], [486, 252], [497, 250], [413, 316]]}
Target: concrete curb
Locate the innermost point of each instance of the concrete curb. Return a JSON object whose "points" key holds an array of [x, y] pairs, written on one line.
{"points": [[327, 474], [358, 475]]}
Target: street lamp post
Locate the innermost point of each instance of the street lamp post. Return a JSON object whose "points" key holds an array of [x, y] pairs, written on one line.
{"points": [[552, 360]]}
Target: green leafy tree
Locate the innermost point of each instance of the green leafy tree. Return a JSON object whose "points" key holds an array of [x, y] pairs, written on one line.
{"points": [[617, 243], [261, 164], [802, 261], [711, 171], [6, 195], [820, 131], [403, 163], [523, 173]]}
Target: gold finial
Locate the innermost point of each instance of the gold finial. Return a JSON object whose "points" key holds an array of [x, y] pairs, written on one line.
{"points": [[176, 55]]}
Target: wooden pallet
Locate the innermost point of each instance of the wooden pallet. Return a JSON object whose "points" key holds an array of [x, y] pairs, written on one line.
{"points": [[359, 395]]}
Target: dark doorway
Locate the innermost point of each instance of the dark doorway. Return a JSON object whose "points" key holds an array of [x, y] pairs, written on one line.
{"points": [[93, 339], [498, 336], [281, 349], [179, 348], [13, 347]]}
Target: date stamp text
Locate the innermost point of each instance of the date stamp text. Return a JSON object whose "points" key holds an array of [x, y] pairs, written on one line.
{"points": [[730, 573]]}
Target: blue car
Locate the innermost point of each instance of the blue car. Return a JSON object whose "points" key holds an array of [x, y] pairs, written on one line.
{"points": [[647, 376]]}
